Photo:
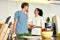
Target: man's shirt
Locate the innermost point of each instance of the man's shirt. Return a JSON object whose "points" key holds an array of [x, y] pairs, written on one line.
{"points": [[21, 26]]}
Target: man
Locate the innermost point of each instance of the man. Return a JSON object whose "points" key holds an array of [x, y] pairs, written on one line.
{"points": [[20, 20]]}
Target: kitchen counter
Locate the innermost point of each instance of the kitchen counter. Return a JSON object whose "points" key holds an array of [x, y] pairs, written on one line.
{"points": [[37, 38]]}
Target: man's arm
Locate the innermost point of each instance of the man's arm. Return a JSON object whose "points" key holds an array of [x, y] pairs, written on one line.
{"points": [[14, 26]]}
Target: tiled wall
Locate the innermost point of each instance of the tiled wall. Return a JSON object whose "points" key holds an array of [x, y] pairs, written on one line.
{"points": [[8, 8]]}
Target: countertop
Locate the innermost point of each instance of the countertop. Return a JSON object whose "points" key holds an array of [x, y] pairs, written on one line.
{"points": [[37, 38]]}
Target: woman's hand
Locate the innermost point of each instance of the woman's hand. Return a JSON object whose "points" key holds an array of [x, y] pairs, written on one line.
{"points": [[36, 26]]}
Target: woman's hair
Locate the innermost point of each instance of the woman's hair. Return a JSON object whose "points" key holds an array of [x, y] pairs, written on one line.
{"points": [[40, 12]]}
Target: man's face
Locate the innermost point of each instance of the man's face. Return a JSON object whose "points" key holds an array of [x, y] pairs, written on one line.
{"points": [[26, 8]]}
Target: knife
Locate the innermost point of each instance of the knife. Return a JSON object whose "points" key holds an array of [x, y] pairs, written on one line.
{"points": [[7, 20]]}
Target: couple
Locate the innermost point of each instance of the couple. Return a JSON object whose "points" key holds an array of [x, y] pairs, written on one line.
{"points": [[20, 19]]}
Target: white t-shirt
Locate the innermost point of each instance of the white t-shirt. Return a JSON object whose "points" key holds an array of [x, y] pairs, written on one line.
{"points": [[37, 21]]}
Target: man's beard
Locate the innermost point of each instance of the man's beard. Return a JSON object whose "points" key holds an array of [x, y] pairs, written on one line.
{"points": [[27, 11]]}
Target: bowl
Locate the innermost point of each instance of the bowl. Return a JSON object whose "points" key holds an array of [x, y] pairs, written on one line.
{"points": [[47, 34]]}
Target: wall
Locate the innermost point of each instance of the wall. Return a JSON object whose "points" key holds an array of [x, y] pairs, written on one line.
{"points": [[8, 8]]}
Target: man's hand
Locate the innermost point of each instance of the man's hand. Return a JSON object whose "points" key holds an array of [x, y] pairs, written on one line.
{"points": [[14, 36]]}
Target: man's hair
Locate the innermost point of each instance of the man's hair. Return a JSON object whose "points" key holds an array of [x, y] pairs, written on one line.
{"points": [[24, 4]]}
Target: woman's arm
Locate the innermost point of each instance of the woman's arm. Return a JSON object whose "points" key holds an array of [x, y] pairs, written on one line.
{"points": [[30, 26], [14, 26]]}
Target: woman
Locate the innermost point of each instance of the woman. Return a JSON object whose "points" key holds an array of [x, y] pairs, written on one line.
{"points": [[37, 22]]}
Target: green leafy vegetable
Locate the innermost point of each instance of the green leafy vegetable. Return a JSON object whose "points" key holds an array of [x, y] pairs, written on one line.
{"points": [[48, 19], [24, 34]]}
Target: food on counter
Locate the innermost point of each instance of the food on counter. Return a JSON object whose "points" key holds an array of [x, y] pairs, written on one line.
{"points": [[24, 34], [46, 29]]}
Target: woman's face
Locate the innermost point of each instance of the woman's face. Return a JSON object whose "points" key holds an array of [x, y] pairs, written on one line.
{"points": [[36, 12]]}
